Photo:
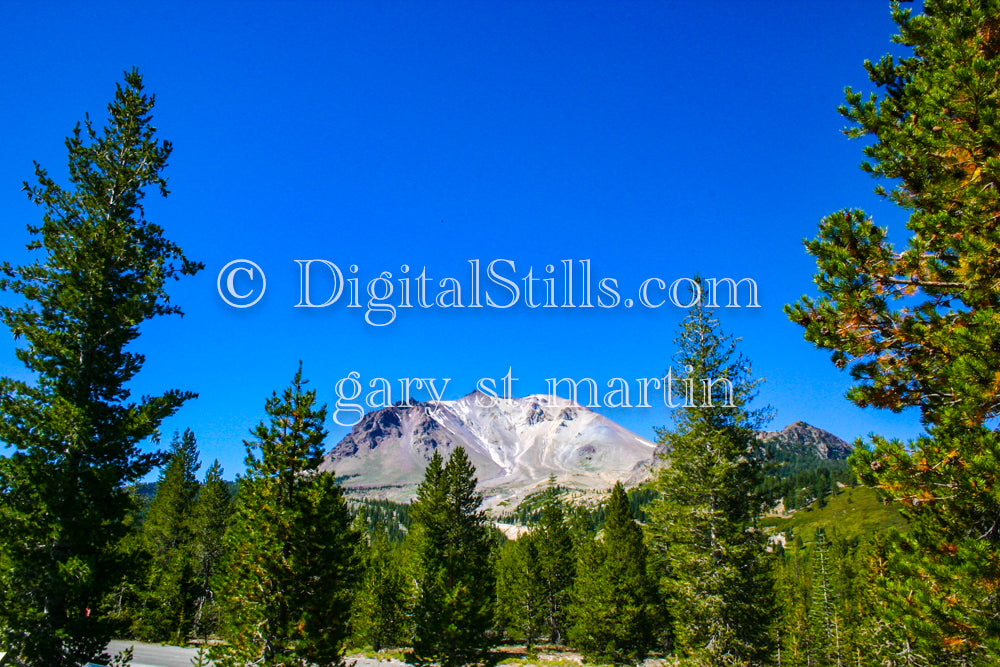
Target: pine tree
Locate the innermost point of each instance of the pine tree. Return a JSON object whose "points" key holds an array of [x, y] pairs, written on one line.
{"points": [[290, 568], [456, 584], [919, 326], [212, 512], [825, 623], [556, 565], [520, 607], [852, 592], [167, 537], [535, 574], [74, 431], [713, 562], [792, 588], [612, 612], [876, 625], [829, 593], [380, 615], [583, 529]]}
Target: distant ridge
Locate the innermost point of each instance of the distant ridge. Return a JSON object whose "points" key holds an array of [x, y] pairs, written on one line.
{"points": [[797, 438], [516, 445], [803, 439]]}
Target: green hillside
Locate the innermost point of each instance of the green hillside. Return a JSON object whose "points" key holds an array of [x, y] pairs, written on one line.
{"points": [[853, 511]]}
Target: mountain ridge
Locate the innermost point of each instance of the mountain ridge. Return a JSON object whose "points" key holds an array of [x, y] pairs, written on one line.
{"points": [[804, 438], [516, 444]]}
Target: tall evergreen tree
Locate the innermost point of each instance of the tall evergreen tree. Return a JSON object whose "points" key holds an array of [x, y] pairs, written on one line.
{"points": [[170, 591], [382, 608], [829, 610], [792, 587], [535, 574], [520, 606], [291, 556], [919, 326], [212, 512], [613, 599], [877, 626], [456, 585], [74, 431], [712, 556], [825, 621], [556, 565]]}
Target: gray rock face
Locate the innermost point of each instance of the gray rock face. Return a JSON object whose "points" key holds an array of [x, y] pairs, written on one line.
{"points": [[515, 444], [803, 439], [798, 439]]}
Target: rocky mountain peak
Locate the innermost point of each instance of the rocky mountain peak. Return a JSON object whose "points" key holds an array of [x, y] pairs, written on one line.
{"points": [[801, 438], [515, 444]]}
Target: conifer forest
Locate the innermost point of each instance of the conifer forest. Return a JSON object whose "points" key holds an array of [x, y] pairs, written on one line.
{"points": [[729, 552]]}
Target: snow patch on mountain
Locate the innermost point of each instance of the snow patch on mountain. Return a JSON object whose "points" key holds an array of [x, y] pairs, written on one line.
{"points": [[516, 445]]}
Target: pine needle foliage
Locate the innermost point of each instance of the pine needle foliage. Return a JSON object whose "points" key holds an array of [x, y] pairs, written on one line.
{"points": [[709, 551], [212, 514], [74, 431], [170, 590], [520, 609], [919, 326], [613, 598], [555, 563], [288, 576], [382, 609], [456, 591]]}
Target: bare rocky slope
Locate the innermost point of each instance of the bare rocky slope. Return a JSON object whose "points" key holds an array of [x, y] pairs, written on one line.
{"points": [[805, 440], [516, 445]]}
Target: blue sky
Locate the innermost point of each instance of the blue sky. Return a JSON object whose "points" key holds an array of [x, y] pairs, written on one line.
{"points": [[655, 140]]}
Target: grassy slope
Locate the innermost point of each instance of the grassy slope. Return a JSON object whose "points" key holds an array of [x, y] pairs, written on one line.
{"points": [[854, 512]]}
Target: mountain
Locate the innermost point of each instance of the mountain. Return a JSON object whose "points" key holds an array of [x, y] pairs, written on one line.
{"points": [[801, 439], [515, 444], [797, 443], [795, 440]]}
